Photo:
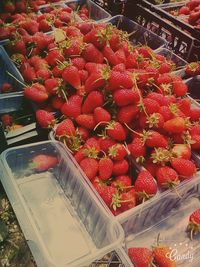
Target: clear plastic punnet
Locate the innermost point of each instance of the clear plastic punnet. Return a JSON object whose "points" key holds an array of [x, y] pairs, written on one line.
{"points": [[139, 34], [96, 12], [165, 222], [60, 216], [9, 101]]}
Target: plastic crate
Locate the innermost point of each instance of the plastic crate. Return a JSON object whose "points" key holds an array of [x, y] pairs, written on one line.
{"points": [[61, 219], [96, 12], [140, 34], [164, 11], [181, 43], [168, 216], [9, 101]]}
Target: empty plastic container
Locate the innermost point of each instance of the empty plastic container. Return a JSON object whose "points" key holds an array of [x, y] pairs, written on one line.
{"points": [[140, 34], [62, 221]]}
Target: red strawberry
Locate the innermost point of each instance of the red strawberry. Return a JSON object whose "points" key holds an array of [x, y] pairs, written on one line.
{"points": [[57, 102], [36, 92], [184, 167], [105, 143], [45, 119], [150, 105], [165, 112], [105, 168], [151, 167], [65, 128], [9, 6], [107, 193], [110, 55], [195, 114], [92, 54], [70, 75], [179, 88], [53, 57], [195, 130], [122, 181], [120, 167], [92, 146], [137, 148], [127, 114], [29, 74], [160, 255], [78, 62], [155, 139], [116, 131], [117, 152], [43, 162], [86, 120], [181, 151], [192, 69], [140, 257], [175, 125], [194, 223], [127, 200], [145, 185], [92, 101], [52, 85], [90, 167], [101, 115], [119, 80], [6, 87], [7, 120], [72, 108], [155, 121], [160, 98], [124, 97], [167, 177], [196, 139]]}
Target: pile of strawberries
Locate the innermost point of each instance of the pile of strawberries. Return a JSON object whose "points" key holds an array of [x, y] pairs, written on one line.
{"points": [[190, 13], [118, 105]]}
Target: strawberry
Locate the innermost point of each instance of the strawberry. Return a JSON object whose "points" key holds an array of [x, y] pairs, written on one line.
{"points": [[101, 115], [140, 257], [116, 131], [122, 181], [86, 120], [155, 139], [161, 99], [195, 141], [184, 167], [145, 185], [110, 55], [195, 114], [36, 92], [65, 128], [167, 177], [78, 62], [119, 67], [107, 193], [165, 112], [179, 88], [79, 155], [70, 75], [117, 152], [92, 147], [120, 167], [92, 54], [83, 75], [181, 151], [42, 75], [137, 149], [160, 254], [127, 114], [105, 168], [127, 200], [149, 105], [155, 121], [83, 133], [57, 102], [124, 97], [151, 167], [192, 69], [43, 162], [6, 87], [72, 48], [175, 125], [9, 6], [29, 74], [7, 120], [53, 57], [92, 101], [90, 167], [45, 119], [52, 85], [72, 108], [119, 80], [195, 130], [194, 223], [105, 143]]}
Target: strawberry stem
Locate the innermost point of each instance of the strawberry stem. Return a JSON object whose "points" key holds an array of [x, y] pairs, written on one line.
{"points": [[16, 78], [133, 130]]}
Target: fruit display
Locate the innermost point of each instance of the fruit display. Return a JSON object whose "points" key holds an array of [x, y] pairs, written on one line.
{"points": [[188, 12], [123, 117]]}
